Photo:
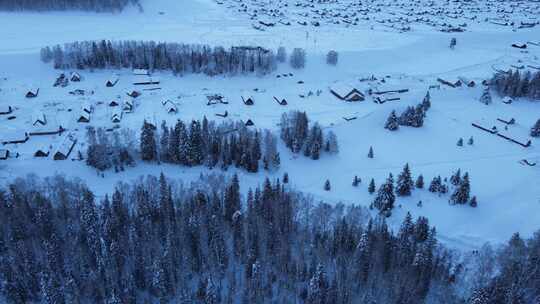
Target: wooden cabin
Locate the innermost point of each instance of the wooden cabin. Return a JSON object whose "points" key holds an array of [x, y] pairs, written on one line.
{"points": [[39, 119], [146, 80], [84, 117], [47, 130], [133, 94], [4, 154], [65, 148], [75, 77], [248, 100], [111, 82], [43, 151], [32, 93], [140, 72], [170, 107], [116, 116], [5, 109], [128, 106], [346, 92], [15, 138]]}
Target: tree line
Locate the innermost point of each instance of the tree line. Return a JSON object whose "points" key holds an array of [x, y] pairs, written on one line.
{"points": [[64, 5], [412, 116], [195, 143], [176, 57]]}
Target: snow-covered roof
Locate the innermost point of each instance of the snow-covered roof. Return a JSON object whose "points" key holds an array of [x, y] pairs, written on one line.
{"points": [[140, 72], [5, 108], [84, 114], [14, 136], [39, 118], [342, 89], [144, 79], [170, 106], [65, 147]]}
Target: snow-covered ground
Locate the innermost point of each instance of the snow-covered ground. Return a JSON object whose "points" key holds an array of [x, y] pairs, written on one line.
{"points": [[508, 192]]}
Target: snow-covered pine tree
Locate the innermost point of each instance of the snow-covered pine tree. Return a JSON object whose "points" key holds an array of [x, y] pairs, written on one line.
{"points": [[327, 186], [404, 182], [356, 181], [392, 122], [371, 187], [426, 102], [435, 184], [462, 191], [455, 179], [486, 96], [370, 153], [148, 142], [384, 201], [420, 182], [535, 130], [460, 142], [470, 142], [473, 203]]}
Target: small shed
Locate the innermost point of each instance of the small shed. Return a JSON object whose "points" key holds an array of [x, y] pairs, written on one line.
{"points": [[5, 109], [4, 154], [116, 116], [145, 80], [281, 102], [42, 151], [248, 100], [170, 107], [113, 103], [111, 82], [84, 117], [32, 93], [141, 72], [346, 92], [75, 77], [128, 106], [39, 119], [65, 148], [249, 122], [133, 93]]}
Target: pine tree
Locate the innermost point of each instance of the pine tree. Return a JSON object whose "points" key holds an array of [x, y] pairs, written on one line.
{"points": [[473, 203], [486, 96], [461, 193], [371, 187], [435, 185], [420, 182], [318, 287], [370, 153], [356, 181], [426, 102], [455, 179], [164, 143], [384, 201], [148, 142], [404, 182], [453, 43], [470, 142], [535, 130], [285, 178], [392, 122], [327, 186], [460, 142]]}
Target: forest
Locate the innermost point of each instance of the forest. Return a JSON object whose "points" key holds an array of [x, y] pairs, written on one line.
{"points": [[176, 57], [514, 83], [157, 240], [65, 5]]}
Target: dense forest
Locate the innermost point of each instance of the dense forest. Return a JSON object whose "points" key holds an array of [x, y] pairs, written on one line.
{"points": [[157, 240], [195, 143], [64, 5], [176, 57], [517, 84]]}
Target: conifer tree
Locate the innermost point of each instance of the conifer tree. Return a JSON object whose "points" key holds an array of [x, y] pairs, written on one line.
{"points": [[486, 96], [384, 201], [356, 181], [404, 182], [473, 203], [371, 187], [148, 142], [392, 122], [462, 191], [420, 182], [327, 186], [370, 153], [460, 142], [535, 130]]}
